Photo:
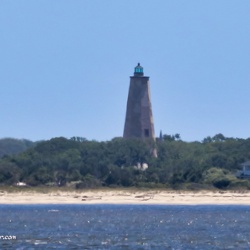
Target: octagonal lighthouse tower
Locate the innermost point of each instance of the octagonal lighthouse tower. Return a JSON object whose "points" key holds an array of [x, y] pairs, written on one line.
{"points": [[139, 118]]}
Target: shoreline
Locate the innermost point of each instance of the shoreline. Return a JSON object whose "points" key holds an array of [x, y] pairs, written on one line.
{"points": [[129, 197]]}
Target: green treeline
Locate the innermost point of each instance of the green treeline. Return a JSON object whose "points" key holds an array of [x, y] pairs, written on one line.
{"points": [[211, 163], [10, 146]]}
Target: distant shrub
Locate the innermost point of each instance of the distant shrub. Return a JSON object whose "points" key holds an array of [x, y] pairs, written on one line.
{"points": [[88, 181], [221, 183], [222, 178], [150, 185], [239, 184], [196, 186]]}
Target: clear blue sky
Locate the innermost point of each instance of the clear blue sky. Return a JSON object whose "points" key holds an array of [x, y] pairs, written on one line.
{"points": [[65, 66]]}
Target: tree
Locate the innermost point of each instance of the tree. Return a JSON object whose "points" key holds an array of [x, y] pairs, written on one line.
{"points": [[11, 146]]}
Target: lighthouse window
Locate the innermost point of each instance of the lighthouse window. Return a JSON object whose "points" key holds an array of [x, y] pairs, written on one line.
{"points": [[146, 132]]}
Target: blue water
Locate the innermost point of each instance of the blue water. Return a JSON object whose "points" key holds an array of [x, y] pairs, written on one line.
{"points": [[124, 227]]}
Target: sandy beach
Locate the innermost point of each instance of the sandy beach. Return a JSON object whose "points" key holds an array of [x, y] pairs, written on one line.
{"points": [[127, 197]]}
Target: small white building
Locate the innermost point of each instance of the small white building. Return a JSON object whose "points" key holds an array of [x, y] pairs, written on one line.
{"points": [[21, 184], [245, 172], [142, 167]]}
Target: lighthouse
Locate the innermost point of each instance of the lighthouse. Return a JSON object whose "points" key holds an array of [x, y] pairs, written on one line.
{"points": [[139, 117]]}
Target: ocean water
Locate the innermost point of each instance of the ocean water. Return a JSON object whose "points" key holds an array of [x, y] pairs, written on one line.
{"points": [[124, 227]]}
